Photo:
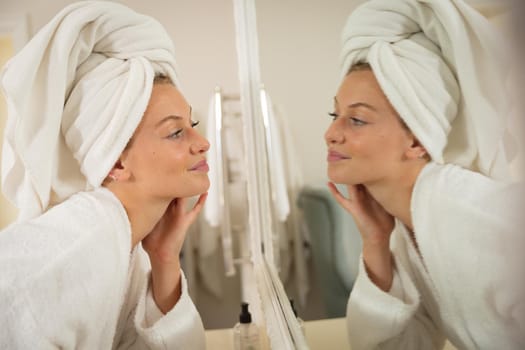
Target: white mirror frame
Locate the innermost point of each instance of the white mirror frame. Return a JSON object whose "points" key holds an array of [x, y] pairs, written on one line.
{"points": [[281, 325]]}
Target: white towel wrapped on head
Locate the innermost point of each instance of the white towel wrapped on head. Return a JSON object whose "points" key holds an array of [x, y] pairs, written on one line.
{"points": [[75, 95], [440, 65]]}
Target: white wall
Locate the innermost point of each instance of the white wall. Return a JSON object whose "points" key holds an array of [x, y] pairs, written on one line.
{"points": [[299, 52], [7, 211]]}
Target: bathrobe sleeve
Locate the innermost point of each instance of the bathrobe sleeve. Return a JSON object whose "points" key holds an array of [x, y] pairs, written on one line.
{"points": [[67, 281], [394, 320], [63, 275], [146, 327]]}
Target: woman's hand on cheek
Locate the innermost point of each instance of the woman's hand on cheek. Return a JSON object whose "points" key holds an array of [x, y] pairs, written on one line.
{"points": [[374, 223], [163, 245]]}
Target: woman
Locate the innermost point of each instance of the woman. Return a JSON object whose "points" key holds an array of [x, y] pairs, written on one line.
{"points": [[100, 158], [417, 137]]}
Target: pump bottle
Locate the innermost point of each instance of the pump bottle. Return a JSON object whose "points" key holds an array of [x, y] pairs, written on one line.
{"points": [[246, 333]]}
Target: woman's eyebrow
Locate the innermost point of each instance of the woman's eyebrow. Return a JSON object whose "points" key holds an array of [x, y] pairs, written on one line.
{"points": [[169, 117], [172, 117], [357, 105], [362, 104]]}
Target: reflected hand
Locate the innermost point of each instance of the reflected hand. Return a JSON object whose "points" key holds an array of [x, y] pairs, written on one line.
{"points": [[375, 225], [372, 220]]}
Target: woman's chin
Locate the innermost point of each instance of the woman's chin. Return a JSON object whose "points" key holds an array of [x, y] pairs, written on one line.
{"points": [[206, 185], [337, 176], [202, 187], [195, 188], [343, 179]]}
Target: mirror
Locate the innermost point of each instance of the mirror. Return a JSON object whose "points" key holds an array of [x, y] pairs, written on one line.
{"points": [[299, 46]]}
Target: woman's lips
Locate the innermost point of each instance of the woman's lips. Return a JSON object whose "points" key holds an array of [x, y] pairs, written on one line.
{"points": [[200, 166], [335, 156]]}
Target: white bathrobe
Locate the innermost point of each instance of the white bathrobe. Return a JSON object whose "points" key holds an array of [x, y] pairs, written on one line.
{"points": [[457, 284], [85, 288]]}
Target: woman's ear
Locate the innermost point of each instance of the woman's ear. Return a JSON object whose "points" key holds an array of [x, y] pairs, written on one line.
{"points": [[119, 172], [416, 150]]}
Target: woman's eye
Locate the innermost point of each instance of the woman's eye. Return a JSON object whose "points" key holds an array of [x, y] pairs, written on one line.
{"points": [[357, 122], [176, 134], [353, 120]]}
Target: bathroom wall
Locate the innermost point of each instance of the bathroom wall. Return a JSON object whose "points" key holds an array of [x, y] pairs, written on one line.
{"points": [[7, 211]]}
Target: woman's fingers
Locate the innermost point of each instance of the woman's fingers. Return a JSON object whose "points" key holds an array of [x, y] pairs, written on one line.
{"points": [[200, 202], [181, 218], [353, 192], [180, 205], [169, 234], [197, 207], [342, 200], [370, 217]]}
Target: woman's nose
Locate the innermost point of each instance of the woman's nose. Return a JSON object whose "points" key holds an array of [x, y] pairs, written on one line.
{"points": [[200, 144], [333, 134]]}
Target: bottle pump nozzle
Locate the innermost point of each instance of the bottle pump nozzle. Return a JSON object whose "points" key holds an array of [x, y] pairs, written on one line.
{"points": [[245, 316]]}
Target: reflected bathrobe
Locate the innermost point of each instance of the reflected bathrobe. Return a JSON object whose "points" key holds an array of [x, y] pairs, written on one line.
{"points": [[458, 282], [70, 279]]}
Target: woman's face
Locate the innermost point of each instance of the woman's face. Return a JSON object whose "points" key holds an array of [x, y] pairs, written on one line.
{"points": [[366, 141], [167, 156]]}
